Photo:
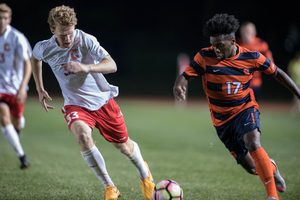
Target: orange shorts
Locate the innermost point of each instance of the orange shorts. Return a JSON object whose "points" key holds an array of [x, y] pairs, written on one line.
{"points": [[16, 108], [108, 120]]}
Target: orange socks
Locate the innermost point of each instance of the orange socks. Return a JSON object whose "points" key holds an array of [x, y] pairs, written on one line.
{"points": [[265, 170], [273, 169]]}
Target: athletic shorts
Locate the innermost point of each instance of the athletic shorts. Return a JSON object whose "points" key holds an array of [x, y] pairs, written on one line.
{"points": [[108, 120], [16, 108], [232, 133]]}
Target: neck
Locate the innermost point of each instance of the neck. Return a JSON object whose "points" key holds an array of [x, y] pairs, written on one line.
{"points": [[2, 31], [234, 51]]}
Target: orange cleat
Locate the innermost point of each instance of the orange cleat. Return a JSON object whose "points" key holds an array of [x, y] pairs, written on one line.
{"points": [[111, 193], [148, 185]]}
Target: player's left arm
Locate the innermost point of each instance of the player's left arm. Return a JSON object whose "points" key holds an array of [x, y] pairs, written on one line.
{"points": [[285, 80], [22, 92], [106, 66]]}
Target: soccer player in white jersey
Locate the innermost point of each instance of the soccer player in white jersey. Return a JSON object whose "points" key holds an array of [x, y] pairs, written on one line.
{"points": [[79, 62], [15, 73]]}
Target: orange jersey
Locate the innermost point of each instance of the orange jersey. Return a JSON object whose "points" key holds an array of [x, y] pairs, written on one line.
{"points": [[257, 45], [261, 46], [226, 82]]}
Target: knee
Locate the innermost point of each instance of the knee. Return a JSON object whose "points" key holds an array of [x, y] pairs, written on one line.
{"points": [[253, 145], [84, 140], [4, 115], [83, 137], [5, 120], [252, 140], [252, 171]]}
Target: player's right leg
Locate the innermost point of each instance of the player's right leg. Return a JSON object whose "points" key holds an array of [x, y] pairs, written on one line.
{"points": [[94, 159], [11, 135], [80, 123]]}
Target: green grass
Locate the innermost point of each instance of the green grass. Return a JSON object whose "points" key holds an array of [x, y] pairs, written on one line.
{"points": [[178, 144]]}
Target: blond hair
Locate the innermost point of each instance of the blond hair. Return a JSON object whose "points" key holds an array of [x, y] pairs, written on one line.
{"points": [[63, 15], [5, 8]]}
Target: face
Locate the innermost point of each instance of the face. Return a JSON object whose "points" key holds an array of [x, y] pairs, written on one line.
{"points": [[248, 32], [64, 35], [223, 46], [5, 19]]}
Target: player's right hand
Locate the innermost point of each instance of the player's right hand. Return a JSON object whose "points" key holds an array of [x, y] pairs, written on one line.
{"points": [[42, 96], [179, 92], [179, 88]]}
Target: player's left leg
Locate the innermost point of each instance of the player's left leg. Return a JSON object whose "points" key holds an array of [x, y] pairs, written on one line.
{"points": [[11, 135], [248, 164], [90, 153], [132, 152], [262, 161]]}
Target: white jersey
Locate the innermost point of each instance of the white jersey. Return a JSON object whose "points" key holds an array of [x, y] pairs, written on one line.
{"points": [[88, 90], [14, 50]]}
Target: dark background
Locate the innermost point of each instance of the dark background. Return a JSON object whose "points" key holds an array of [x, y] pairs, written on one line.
{"points": [[145, 37]]}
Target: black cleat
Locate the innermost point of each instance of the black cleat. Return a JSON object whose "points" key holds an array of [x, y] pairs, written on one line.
{"points": [[24, 162]]}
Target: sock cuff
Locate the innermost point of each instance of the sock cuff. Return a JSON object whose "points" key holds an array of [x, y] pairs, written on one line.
{"points": [[89, 152], [5, 128], [258, 153], [135, 148]]}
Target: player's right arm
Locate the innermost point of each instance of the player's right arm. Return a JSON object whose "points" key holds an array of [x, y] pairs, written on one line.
{"points": [[38, 78], [286, 81], [179, 88]]}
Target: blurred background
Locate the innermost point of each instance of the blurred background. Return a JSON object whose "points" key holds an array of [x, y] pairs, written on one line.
{"points": [[145, 37]]}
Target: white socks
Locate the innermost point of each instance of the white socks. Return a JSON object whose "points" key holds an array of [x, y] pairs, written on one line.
{"points": [[22, 122], [12, 138], [97, 164], [136, 160]]}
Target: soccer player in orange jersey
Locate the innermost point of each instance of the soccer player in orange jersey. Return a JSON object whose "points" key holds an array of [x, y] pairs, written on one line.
{"points": [[226, 70], [249, 40]]}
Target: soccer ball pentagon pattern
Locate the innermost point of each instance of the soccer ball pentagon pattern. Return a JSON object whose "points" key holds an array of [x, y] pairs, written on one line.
{"points": [[167, 190]]}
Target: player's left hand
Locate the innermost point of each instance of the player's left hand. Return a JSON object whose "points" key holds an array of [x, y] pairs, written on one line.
{"points": [[75, 67]]}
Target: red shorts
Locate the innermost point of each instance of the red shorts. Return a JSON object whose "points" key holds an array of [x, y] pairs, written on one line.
{"points": [[108, 120], [16, 108]]}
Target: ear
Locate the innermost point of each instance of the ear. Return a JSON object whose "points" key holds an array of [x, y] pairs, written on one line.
{"points": [[9, 20], [52, 30], [233, 41]]}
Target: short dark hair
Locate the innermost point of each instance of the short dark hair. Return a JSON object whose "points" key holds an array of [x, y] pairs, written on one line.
{"points": [[220, 24]]}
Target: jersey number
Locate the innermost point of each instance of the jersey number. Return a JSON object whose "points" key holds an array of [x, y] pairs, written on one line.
{"points": [[72, 115], [231, 84]]}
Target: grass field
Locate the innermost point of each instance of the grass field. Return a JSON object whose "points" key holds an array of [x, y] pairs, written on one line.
{"points": [[178, 144]]}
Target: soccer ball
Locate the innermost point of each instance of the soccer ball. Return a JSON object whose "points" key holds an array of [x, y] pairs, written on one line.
{"points": [[167, 190]]}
